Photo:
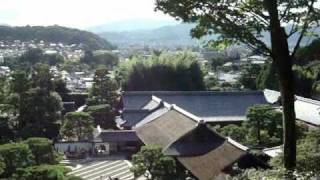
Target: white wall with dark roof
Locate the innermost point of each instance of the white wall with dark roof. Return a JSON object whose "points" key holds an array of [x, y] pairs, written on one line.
{"points": [[307, 110]]}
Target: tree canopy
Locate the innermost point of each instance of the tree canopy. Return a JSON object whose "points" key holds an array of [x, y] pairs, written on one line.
{"points": [[15, 155], [248, 22], [178, 72], [151, 163], [42, 149], [98, 59], [264, 125], [41, 172], [309, 53], [31, 106], [77, 126]]}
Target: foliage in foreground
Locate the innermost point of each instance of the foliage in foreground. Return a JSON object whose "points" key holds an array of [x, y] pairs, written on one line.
{"points": [[262, 128], [151, 163], [41, 172], [308, 158], [15, 155], [25, 159], [42, 150]]}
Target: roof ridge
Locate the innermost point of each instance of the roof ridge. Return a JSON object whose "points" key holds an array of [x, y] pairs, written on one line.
{"points": [[154, 93], [308, 100], [156, 99], [186, 113], [118, 131], [237, 144], [300, 98], [136, 110]]}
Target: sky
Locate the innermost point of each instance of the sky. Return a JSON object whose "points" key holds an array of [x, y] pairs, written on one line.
{"points": [[76, 13]]}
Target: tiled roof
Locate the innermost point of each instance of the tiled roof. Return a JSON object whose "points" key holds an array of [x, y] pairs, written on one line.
{"points": [[207, 105], [183, 135], [132, 117], [153, 103], [198, 141], [210, 165], [155, 114], [118, 136], [165, 129]]}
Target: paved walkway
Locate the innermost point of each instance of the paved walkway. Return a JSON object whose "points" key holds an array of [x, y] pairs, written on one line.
{"points": [[102, 169]]}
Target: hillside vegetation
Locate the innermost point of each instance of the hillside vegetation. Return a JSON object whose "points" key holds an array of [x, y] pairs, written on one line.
{"points": [[54, 34]]}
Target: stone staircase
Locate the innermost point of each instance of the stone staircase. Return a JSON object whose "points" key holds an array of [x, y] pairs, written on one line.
{"points": [[102, 170]]}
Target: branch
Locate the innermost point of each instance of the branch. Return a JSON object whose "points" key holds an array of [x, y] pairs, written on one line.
{"points": [[304, 29], [287, 10], [293, 30], [250, 38]]}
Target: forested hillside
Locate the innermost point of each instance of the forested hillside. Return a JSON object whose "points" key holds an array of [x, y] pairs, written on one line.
{"points": [[176, 35], [55, 34]]}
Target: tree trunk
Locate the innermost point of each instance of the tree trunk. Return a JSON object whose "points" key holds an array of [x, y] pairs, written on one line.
{"points": [[283, 61]]}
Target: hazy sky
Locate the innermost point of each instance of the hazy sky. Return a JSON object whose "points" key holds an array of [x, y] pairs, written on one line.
{"points": [[75, 13]]}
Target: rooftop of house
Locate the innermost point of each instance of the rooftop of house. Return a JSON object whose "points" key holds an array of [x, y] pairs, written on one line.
{"points": [[130, 118], [186, 137], [117, 136], [208, 105], [307, 110]]}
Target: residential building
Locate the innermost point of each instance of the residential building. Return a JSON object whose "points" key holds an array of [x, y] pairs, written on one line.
{"points": [[215, 108]]}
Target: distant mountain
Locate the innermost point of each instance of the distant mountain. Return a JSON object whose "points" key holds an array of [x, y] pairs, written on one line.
{"points": [[175, 35], [54, 34], [132, 25]]}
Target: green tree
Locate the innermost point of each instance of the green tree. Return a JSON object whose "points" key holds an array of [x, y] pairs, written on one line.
{"points": [[104, 89], [52, 59], [264, 119], [304, 80], [15, 155], [39, 112], [249, 75], [35, 107], [4, 89], [42, 172], [87, 58], [151, 160], [2, 166], [20, 82], [77, 125], [268, 77], [75, 66], [246, 22], [211, 82], [309, 53], [31, 57], [60, 87], [6, 131], [308, 156], [42, 78], [216, 62], [42, 150], [108, 60], [103, 115], [178, 72], [238, 133]]}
